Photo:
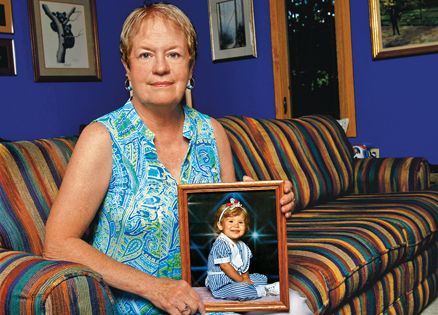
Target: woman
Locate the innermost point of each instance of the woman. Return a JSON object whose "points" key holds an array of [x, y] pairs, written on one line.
{"points": [[126, 166]]}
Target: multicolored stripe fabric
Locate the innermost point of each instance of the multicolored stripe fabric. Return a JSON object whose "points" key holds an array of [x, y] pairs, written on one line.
{"points": [[390, 175], [340, 248], [312, 152], [406, 289], [366, 253], [32, 285], [30, 175]]}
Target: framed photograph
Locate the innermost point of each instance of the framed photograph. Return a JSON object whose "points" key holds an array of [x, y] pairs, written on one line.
{"points": [[256, 249], [6, 25], [7, 57], [402, 28], [232, 29], [65, 44]]}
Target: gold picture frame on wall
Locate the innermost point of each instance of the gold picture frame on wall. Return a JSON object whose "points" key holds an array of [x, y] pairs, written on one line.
{"points": [[266, 238], [65, 44], [232, 29], [6, 23], [401, 29]]}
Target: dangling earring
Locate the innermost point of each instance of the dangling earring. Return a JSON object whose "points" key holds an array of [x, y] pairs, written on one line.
{"points": [[128, 85], [191, 84]]}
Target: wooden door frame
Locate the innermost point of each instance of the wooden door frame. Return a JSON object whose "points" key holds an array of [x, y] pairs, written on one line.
{"points": [[280, 62]]}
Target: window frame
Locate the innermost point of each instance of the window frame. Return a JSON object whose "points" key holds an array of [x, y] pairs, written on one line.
{"points": [[280, 62]]}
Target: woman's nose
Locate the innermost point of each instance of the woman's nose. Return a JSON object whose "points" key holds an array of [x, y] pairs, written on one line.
{"points": [[161, 65]]}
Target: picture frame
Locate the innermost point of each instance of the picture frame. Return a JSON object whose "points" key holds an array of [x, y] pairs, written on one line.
{"points": [[266, 238], [232, 30], [6, 22], [400, 29], [65, 44], [7, 57]]}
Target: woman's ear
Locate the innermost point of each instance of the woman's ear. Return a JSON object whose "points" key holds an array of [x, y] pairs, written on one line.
{"points": [[126, 66]]}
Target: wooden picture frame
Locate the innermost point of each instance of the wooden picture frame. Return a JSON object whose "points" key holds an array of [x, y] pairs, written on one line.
{"points": [[232, 30], [266, 238], [7, 57], [401, 30], [6, 22], [65, 44]]}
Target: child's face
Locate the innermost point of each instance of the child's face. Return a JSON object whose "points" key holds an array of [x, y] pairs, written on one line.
{"points": [[234, 227]]}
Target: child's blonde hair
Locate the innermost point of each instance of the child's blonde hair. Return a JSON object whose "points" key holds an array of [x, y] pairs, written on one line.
{"points": [[230, 209]]}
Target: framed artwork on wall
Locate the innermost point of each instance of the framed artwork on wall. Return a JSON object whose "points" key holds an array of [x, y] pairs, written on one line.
{"points": [[6, 25], [7, 57], [204, 212], [402, 28], [65, 43], [232, 29]]}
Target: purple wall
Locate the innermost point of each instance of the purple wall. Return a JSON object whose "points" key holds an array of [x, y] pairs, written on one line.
{"points": [[395, 98], [31, 109]]}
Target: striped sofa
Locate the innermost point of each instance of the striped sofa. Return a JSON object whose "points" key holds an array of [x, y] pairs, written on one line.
{"points": [[363, 237]]}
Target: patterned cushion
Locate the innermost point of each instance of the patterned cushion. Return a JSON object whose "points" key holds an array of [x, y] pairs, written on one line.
{"points": [[406, 289], [32, 285], [390, 175], [312, 152], [337, 249], [30, 175]]}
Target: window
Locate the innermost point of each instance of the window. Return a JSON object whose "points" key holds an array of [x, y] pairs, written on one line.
{"points": [[282, 78]]}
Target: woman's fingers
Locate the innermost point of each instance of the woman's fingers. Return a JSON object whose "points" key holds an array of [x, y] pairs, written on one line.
{"points": [[177, 297]]}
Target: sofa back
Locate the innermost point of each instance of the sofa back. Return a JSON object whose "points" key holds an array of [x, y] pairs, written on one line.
{"points": [[313, 152], [30, 176]]}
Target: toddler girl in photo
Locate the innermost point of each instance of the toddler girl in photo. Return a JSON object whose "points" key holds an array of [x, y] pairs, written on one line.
{"points": [[229, 259]]}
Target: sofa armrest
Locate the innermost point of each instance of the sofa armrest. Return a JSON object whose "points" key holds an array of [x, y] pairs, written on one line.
{"points": [[390, 175], [32, 285]]}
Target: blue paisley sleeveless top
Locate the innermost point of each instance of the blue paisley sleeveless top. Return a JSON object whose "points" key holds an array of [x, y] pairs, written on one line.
{"points": [[138, 220]]}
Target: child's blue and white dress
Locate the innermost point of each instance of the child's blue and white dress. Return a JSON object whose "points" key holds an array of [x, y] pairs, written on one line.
{"points": [[224, 250]]}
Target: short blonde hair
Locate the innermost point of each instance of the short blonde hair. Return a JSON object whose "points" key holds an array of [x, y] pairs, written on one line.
{"points": [[223, 213], [166, 11]]}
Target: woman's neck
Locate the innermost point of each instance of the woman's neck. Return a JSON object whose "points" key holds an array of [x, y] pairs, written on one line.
{"points": [[160, 118]]}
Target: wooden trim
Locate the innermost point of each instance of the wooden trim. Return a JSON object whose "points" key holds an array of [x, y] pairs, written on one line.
{"points": [[347, 104], [280, 62]]}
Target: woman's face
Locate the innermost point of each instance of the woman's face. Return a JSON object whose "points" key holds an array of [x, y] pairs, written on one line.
{"points": [[234, 226], [158, 63]]}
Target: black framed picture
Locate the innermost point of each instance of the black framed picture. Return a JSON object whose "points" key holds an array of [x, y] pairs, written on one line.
{"points": [[201, 209], [7, 57]]}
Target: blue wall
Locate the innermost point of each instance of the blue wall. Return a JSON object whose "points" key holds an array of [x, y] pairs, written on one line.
{"points": [[395, 98]]}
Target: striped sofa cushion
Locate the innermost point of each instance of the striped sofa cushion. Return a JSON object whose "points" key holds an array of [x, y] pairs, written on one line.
{"points": [[32, 285], [390, 175], [312, 152], [336, 249], [30, 175]]}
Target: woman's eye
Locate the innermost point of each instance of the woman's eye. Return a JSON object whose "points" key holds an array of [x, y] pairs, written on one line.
{"points": [[174, 55], [145, 55]]}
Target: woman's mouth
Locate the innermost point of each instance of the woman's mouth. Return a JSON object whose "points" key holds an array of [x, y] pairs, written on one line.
{"points": [[161, 84]]}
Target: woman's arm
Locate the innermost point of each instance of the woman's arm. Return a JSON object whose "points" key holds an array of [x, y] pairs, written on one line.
{"points": [[224, 150], [83, 188]]}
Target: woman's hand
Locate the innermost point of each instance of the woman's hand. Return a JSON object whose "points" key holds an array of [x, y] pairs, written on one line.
{"points": [[175, 297], [287, 202]]}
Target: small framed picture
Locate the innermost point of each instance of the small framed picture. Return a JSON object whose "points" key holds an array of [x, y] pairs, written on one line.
{"points": [[6, 25], [233, 245], [65, 46], [402, 28], [7, 57], [232, 29]]}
